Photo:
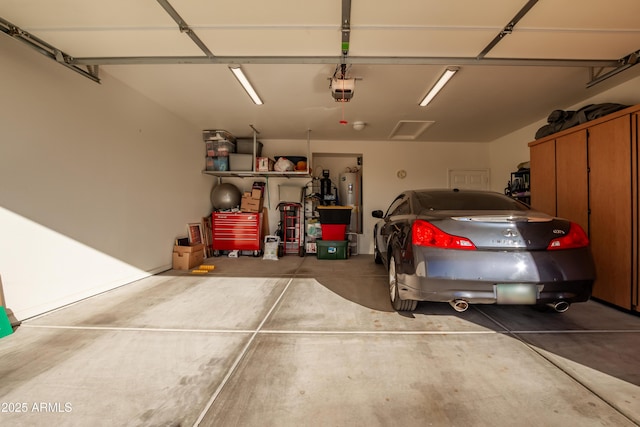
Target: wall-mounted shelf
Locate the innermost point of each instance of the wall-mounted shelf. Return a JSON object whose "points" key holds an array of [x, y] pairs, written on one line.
{"points": [[247, 174], [265, 174]]}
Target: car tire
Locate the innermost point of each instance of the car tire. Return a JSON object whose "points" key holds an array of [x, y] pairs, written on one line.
{"points": [[398, 303], [377, 258]]}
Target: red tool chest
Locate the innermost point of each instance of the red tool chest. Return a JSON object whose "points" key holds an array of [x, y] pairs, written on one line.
{"points": [[236, 231]]}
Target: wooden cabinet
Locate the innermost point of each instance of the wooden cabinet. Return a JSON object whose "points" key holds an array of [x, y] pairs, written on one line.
{"points": [[635, 203], [571, 178], [543, 176], [610, 219], [589, 174]]}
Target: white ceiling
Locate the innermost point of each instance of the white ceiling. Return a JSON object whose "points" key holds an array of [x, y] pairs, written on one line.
{"points": [[397, 51]]}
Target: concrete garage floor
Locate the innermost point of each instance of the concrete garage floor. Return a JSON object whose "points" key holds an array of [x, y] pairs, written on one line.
{"points": [[301, 341]]}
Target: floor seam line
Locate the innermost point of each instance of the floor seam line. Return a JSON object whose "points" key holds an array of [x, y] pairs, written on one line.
{"points": [[239, 358], [532, 347], [325, 332]]}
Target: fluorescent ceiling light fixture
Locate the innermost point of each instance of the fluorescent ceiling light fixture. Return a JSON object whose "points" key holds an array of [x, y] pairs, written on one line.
{"points": [[449, 72], [237, 71]]}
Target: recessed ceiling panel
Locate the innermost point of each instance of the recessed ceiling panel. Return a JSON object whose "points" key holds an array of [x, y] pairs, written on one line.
{"points": [[97, 43], [414, 42], [583, 14], [113, 28], [262, 13], [438, 13], [566, 45], [31, 14], [271, 41]]}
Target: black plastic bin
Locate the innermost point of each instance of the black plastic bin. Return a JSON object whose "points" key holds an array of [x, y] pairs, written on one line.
{"points": [[335, 214]]}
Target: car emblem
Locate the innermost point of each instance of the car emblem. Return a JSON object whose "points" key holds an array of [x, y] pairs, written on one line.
{"points": [[509, 233]]}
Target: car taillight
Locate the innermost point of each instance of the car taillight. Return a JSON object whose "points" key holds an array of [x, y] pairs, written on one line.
{"points": [[424, 233], [575, 238]]}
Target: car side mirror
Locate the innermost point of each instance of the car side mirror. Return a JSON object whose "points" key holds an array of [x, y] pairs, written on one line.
{"points": [[377, 214]]}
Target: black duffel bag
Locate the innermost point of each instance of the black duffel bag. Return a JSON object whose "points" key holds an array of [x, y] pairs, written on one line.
{"points": [[564, 119]]}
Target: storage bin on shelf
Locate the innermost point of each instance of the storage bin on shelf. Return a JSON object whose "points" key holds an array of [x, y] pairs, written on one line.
{"points": [[218, 145], [217, 135], [240, 162], [245, 146], [217, 164], [220, 148]]}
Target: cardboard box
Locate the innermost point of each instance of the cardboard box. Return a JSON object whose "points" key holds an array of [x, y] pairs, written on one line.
{"points": [[188, 249], [264, 164], [256, 193], [249, 204], [187, 257]]}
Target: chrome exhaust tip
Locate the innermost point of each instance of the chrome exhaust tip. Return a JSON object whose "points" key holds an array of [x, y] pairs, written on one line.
{"points": [[559, 306], [459, 305]]}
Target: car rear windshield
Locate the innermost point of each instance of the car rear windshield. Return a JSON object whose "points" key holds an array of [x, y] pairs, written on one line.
{"points": [[454, 200]]}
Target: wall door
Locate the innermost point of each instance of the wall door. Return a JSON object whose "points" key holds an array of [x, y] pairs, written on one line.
{"points": [[469, 179]]}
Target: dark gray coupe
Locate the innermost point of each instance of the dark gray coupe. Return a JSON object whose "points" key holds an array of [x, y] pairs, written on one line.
{"points": [[479, 247]]}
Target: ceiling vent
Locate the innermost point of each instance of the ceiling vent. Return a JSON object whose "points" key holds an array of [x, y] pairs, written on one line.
{"points": [[409, 129]]}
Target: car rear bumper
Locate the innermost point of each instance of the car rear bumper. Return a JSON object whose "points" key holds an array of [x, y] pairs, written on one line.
{"points": [[487, 293], [478, 276]]}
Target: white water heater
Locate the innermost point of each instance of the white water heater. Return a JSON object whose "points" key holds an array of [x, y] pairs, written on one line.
{"points": [[350, 194]]}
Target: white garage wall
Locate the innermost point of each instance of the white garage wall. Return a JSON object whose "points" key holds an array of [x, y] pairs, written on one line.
{"points": [[96, 182]]}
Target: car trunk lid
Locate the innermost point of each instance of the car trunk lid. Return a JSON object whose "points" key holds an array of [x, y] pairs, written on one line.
{"points": [[517, 230]]}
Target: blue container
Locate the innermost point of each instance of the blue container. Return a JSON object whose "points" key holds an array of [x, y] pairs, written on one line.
{"points": [[217, 164]]}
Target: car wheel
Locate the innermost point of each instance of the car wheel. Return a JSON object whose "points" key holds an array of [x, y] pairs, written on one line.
{"points": [[377, 258], [397, 303]]}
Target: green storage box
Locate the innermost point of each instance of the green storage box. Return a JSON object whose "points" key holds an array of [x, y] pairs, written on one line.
{"points": [[332, 249], [5, 324]]}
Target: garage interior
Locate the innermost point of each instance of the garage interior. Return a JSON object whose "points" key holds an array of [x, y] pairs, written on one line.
{"points": [[103, 166]]}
